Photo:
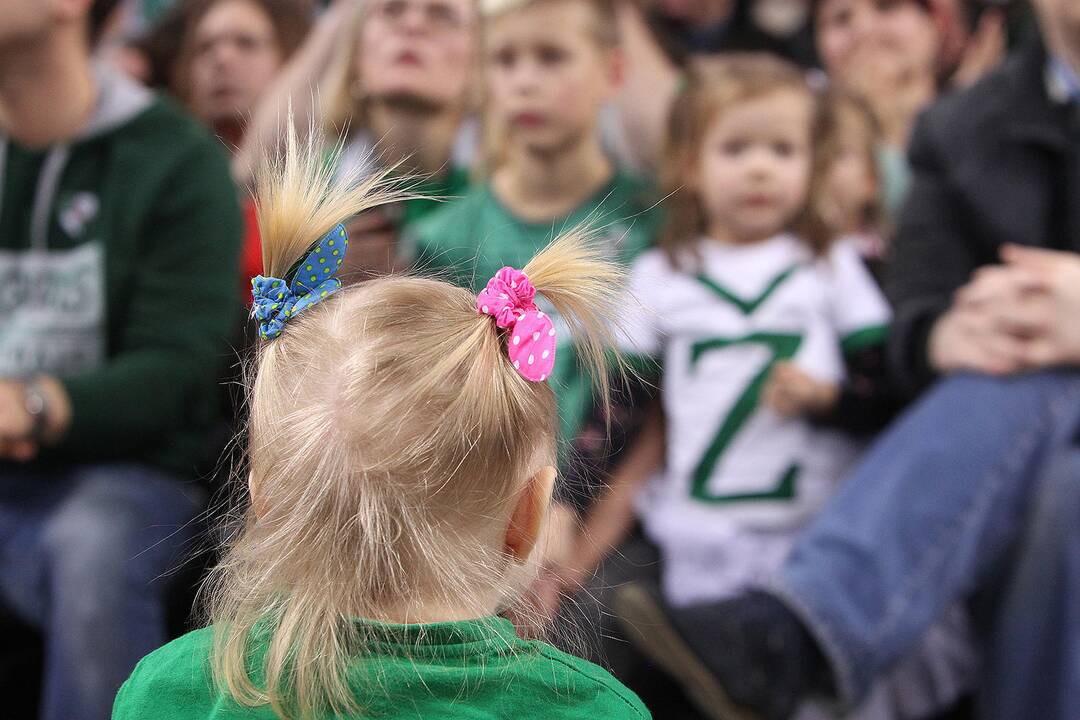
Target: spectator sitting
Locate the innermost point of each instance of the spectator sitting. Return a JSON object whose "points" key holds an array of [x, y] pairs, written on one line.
{"points": [[974, 493], [119, 232], [231, 53], [753, 290], [394, 80], [892, 55]]}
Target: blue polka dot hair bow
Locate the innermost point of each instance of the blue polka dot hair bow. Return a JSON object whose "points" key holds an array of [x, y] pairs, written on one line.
{"points": [[277, 301]]}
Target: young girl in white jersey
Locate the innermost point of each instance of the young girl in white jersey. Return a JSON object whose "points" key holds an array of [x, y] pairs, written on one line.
{"points": [[402, 443], [753, 318]]}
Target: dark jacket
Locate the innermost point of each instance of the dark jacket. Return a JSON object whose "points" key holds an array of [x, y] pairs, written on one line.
{"points": [[998, 163], [118, 266]]}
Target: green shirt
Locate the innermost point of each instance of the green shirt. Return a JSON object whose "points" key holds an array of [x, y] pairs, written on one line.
{"points": [[471, 239], [119, 253], [471, 669]]}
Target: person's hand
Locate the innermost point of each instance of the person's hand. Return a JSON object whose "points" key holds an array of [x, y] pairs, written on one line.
{"points": [[791, 392], [985, 50], [989, 325], [1053, 306], [15, 424]]}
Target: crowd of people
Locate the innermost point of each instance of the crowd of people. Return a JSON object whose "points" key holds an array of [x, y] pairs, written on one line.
{"points": [[728, 346]]}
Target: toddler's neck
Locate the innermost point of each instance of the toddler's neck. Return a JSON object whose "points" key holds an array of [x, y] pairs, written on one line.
{"points": [[545, 186], [722, 234]]}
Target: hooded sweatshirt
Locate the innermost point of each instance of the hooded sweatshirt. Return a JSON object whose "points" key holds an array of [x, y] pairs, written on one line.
{"points": [[118, 263]]}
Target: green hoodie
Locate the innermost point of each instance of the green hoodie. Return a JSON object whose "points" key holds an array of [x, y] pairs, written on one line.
{"points": [[118, 266]]}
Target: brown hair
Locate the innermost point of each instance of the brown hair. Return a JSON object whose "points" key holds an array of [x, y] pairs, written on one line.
{"points": [[711, 86], [344, 106], [839, 103], [291, 23], [390, 438]]}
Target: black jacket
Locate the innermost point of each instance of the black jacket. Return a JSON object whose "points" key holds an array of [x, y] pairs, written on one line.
{"points": [[998, 163]]}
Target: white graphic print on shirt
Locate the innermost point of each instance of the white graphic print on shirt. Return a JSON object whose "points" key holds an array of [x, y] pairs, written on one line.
{"points": [[738, 479], [53, 306]]}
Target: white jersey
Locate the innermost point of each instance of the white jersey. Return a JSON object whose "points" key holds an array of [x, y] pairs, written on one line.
{"points": [[738, 479]]}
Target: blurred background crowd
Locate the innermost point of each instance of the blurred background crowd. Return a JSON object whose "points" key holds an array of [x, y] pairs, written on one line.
{"points": [[940, 577]]}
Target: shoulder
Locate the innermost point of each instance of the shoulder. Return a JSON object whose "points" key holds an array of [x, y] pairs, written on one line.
{"points": [[960, 120], [164, 131], [592, 691], [175, 675]]}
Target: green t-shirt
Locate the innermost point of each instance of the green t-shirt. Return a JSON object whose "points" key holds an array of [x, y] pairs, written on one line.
{"points": [[470, 669], [471, 239]]}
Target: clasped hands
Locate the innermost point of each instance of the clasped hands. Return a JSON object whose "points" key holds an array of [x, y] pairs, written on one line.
{"points": [[1021, 315]]}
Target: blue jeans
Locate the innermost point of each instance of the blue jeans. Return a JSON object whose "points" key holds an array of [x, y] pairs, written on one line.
{"points": [[976, 487], [83, 553]]}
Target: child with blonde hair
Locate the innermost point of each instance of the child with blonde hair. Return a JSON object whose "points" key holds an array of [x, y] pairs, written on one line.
{"points": [[402, 443]]}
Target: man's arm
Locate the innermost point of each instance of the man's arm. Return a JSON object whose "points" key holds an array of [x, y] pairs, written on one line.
{"points": [[932, 257]]}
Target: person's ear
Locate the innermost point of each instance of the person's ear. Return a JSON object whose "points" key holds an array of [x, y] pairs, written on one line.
{"points": [[527, 519]]}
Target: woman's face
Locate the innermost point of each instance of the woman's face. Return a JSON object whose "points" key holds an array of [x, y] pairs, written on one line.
{"points": [[423, 50], [851, 32]]}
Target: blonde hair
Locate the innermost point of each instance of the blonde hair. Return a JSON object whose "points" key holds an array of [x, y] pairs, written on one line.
{"points": [[390, 438], [345, 106], [604, 31], [712, 86]]}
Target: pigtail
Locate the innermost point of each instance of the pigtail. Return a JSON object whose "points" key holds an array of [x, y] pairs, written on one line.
{"points": [[299, 196], [576, 274]]}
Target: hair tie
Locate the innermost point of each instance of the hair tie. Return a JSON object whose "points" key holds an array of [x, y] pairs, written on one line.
{"points": [[275, 301], [530, 340]]}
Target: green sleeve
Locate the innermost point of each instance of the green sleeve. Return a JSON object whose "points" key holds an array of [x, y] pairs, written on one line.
{"points": [[181, 306]]}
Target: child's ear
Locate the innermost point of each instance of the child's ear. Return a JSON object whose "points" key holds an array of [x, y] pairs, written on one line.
{"points": [[527, 519]]}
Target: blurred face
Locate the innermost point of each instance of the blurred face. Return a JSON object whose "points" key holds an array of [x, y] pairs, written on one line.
{"points": [[753, 175], [23, 19], [850, 183], [235, 57], [420, 49], [851, 32], [1060, 22], [547, 74]]}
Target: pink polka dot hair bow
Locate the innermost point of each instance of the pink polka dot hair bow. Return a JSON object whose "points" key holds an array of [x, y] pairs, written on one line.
{"points": [[530, 340]]}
